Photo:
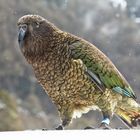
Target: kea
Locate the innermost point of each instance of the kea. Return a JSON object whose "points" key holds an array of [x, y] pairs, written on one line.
{"points": [[76, 75]]}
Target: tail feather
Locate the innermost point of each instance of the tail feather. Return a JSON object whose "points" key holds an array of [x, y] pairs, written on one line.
{"points": [[130, 117]]}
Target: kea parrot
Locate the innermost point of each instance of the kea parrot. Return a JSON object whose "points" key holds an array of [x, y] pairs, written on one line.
{"points": [[77, 76]]}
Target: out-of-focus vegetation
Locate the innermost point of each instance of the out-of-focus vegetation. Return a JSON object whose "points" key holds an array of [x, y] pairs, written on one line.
{"points": [[113, 26]]}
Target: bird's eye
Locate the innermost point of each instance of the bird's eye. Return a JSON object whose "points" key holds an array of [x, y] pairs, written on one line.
{"points": [[37, 25], [23, 26]]}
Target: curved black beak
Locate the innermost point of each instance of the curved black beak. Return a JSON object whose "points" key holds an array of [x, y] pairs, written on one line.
{"points": [[21, 34]]}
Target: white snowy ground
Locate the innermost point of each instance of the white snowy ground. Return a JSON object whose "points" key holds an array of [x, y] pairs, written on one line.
{"points": [[71, 135]]}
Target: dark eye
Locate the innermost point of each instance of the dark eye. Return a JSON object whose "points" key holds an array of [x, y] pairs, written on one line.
{"points": [[23, 26], [37, 25]]}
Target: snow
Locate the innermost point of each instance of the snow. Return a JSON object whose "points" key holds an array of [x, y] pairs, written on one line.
{"points": [[69, 134], [119, 3]]}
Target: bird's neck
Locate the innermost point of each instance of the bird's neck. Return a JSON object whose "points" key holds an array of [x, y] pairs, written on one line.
{"points": [[52, 54], [49, 47]]}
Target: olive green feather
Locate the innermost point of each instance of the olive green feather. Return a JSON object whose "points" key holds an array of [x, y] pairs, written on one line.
{"points": [[99, 64]]}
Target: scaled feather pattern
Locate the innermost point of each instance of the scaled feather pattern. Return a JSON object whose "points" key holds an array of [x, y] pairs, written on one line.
{"points": [[76, 75]]}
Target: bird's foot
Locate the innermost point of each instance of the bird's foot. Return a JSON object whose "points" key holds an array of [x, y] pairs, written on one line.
{"points": [[89, 127], [104, 126], [44, 129], [60, 127]]}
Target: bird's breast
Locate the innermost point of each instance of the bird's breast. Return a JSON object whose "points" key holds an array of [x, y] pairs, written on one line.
{"points": [[66, 84]]}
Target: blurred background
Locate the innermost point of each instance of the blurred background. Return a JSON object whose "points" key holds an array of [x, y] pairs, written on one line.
{"points": [[112, 25]]}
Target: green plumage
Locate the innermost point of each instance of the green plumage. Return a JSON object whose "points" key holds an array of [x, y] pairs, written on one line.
{"points": [[95, 61]]}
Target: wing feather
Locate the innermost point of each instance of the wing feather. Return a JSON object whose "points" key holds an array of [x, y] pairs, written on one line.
{"points": [[100, 68]]}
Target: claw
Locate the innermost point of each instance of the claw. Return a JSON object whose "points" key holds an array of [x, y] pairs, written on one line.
{"points": [[44, 129], [89, 127], [60, 127]]}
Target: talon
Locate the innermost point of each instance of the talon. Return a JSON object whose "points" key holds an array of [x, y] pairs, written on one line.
{"points": [[44, 129], [89, 127], [60, 127]]}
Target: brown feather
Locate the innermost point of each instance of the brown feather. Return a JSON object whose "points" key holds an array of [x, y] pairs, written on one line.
{"points": [[47, 49]]}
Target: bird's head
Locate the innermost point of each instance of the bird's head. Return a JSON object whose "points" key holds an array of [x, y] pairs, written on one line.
{"points": [[34, 29], [30, 27], [36, 35]]}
